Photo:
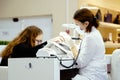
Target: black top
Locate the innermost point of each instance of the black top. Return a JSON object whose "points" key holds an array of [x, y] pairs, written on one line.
{"points": [[23, 50]]}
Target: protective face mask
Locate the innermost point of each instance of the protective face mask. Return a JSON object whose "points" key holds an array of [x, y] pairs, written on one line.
{"points": [[79, 31]]}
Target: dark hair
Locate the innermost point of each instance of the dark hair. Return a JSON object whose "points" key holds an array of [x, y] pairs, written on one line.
{"points": [[83, 15]]}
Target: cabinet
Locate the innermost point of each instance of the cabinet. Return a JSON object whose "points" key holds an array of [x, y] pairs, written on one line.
{"points": [[106, 28]]}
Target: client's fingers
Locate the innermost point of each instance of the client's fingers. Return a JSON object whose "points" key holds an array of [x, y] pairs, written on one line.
{"points": [[65, 36], [59, 39]]}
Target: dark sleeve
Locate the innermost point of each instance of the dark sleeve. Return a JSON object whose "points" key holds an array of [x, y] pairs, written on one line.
{"points": [[41, 45], [24, 50]]}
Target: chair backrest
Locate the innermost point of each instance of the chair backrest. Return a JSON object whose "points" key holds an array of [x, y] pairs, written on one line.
{"points": [[115, 65], [3, 73]]}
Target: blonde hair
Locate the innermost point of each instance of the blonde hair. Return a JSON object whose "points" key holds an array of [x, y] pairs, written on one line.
{"points": [[28, 35]]}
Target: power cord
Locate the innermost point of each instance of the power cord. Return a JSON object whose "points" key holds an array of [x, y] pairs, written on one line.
{"points": [[74, 60]]}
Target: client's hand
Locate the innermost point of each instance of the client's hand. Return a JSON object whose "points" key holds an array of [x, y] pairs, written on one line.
{"points": [[67, 38], [57, 39]]}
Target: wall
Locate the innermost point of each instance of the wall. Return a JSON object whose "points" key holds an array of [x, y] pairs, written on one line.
{"points": [[110, 4], [9, 29], [60, 12]]}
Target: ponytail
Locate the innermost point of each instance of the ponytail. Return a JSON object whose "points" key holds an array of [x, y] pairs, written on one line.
{"points": [[95, 22]]}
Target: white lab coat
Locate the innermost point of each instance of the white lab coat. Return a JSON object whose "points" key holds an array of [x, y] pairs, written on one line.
{"points": [[91, 60]]}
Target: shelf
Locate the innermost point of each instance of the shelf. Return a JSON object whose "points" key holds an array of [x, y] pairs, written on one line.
{"points": [[109, 25], [118, 37], [112, 45], [118, 30], [89, 7]]}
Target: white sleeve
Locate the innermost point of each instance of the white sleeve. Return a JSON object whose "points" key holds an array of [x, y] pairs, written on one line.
{"points": [[87, 52]]}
